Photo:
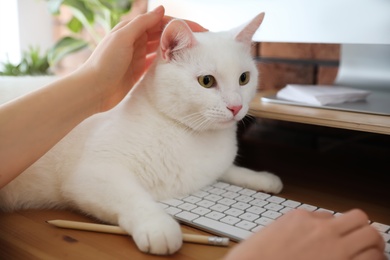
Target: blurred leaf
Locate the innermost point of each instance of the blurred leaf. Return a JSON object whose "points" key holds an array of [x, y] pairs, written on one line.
{"points": [[75, 25], [95, 17], [32, 63], [64, 47], [82, 10]]}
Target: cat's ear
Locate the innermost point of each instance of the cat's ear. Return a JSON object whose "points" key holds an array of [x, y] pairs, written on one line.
{"points": [[176, 36], [247, 31]]}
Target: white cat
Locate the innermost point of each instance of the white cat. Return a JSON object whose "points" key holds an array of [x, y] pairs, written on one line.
{"points": [[173, 134]]}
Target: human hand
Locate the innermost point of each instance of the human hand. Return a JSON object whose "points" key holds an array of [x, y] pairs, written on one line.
{"points": [[303, 235], [125, 53]]}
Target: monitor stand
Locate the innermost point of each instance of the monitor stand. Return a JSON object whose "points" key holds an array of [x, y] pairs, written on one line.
{"points": [[363, 66]]}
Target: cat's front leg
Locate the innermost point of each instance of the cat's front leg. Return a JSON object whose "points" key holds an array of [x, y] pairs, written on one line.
{"points": [[261, 181], [114, 195], [153, 230]]}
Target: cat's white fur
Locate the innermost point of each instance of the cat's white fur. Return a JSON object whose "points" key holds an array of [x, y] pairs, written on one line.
{"points": [[169, 137]]}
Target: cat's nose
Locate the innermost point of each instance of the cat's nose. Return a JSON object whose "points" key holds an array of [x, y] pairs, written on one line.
{"points": [[235, 109]]}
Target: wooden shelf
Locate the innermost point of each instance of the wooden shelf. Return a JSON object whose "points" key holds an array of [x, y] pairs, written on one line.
{"points": [[317, 116]]}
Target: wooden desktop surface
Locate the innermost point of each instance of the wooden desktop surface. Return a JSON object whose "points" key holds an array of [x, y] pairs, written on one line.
{"points": [[325, 117], [26, 235]]}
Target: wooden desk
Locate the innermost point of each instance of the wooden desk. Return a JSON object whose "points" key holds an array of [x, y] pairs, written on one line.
{"points": [[26, 235], [316, 116]]}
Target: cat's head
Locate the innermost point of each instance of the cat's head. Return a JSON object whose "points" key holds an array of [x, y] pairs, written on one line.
{"points": [[205, 80]]}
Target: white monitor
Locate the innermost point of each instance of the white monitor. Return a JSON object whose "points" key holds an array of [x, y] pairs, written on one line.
{"points": [[312, 21], [362, 27]]}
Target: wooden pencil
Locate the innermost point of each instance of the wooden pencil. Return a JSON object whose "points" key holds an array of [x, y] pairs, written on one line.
{"points": [[190, 238]]}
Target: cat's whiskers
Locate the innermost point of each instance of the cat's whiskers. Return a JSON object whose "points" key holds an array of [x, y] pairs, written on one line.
{"points": [[198, 121], [193, 120], [248, 118]]}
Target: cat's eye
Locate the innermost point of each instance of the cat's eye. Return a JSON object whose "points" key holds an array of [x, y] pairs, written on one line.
{"points": [[244, 78], [206, 81]]}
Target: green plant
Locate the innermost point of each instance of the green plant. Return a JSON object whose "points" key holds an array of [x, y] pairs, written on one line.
{"points": [[32, 63], [95, 17]]}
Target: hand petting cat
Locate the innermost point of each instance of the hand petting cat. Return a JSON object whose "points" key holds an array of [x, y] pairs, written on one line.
{"points": [[126, 53], [99, 85]]}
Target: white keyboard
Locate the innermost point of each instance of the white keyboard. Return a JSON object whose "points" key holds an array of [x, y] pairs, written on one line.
{"points": [[236, 212]]}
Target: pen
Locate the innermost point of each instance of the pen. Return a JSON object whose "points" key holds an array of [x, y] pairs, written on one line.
{"points": [[190, 238]]}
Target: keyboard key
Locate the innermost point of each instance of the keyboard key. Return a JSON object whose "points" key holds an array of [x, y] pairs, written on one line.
{"points": [[291, 203], [217, 191], [230, 220], [215, 215], [307, 207], [226, 201], [213, 197], [264, 221], [244, 198], [188, 216], [192, 199], [205, 203], [275, 199], [172, 210], [230, 195], [285, 210], [234, 212], [258, 203], [273, 206], [256, 210], [261, 196], [200, 211], [249, 216], [241, 205], [246, 225], [271, 214], [219, 207], [223, 228], [247, 192], [187, 206], [200, 194], [380, 227]]}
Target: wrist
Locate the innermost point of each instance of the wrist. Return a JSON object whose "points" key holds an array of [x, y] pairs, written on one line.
{"points": [[88, 89]]}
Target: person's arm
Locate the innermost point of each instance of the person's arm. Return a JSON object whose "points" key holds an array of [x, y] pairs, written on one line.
{"points": [[34, 123]]}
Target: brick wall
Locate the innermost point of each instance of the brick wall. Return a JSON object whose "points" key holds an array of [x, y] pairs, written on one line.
{"points": [[299, 63]]}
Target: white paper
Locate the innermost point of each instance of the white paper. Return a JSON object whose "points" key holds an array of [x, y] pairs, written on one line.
{"points": [[321, 94]]}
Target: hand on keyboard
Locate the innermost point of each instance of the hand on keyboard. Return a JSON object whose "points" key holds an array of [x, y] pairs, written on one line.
{"points": [[304, 235], [239, 213]]}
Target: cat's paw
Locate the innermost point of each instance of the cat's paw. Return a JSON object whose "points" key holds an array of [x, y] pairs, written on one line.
{"points": [[160, 235], [268, 182], [260, 181]]}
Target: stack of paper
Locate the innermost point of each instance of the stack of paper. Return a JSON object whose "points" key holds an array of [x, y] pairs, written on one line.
{"points": [[321, 94]]}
